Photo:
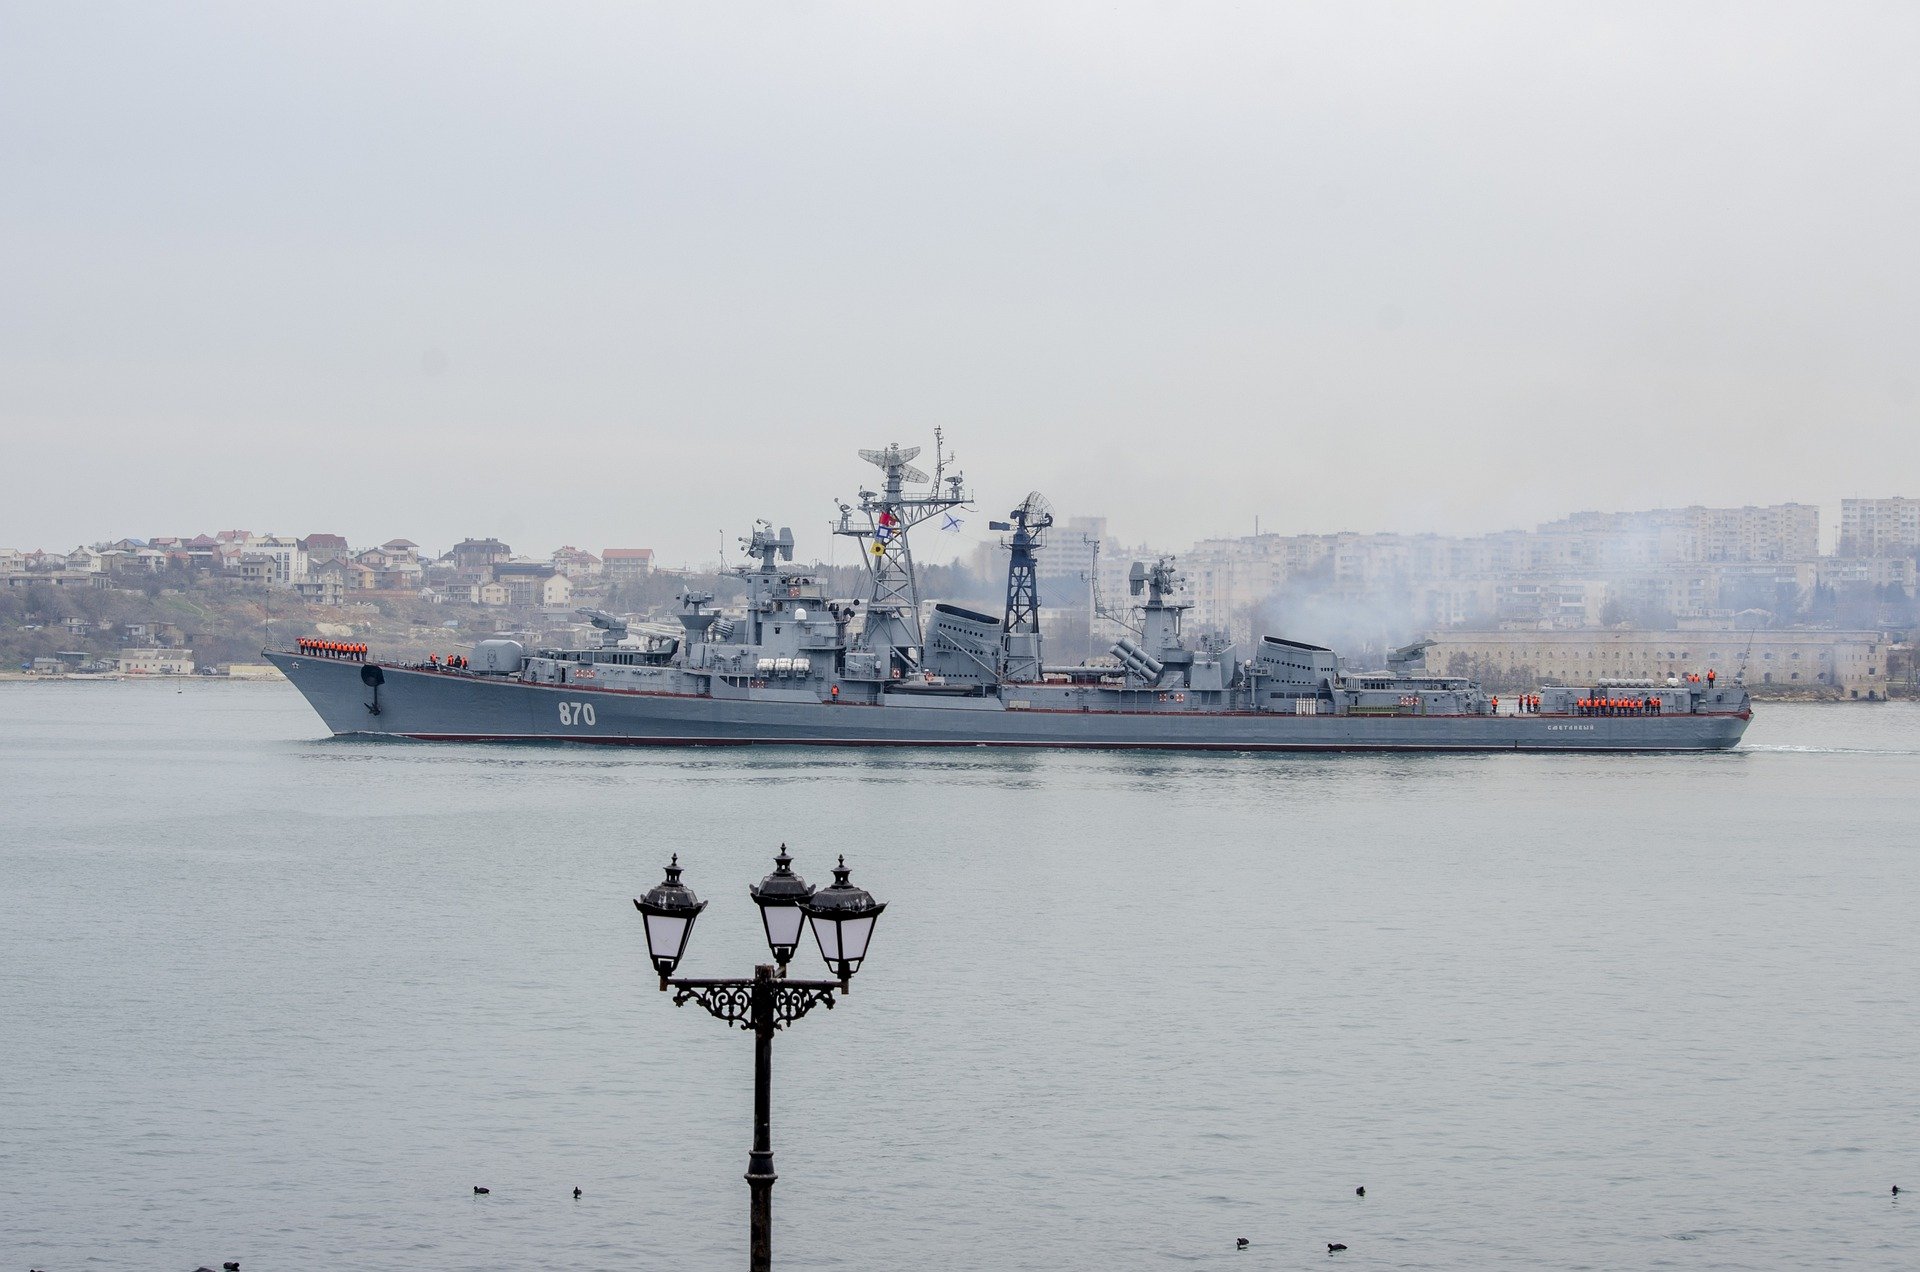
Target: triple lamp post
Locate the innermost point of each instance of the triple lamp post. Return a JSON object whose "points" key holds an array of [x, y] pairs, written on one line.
{"points": [[842, 917]]}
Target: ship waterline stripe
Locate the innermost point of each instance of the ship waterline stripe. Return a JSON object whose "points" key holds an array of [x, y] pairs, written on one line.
{"points": [[1038, 745]]}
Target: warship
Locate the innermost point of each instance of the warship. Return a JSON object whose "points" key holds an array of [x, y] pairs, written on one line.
{"points": [[798, 666]]}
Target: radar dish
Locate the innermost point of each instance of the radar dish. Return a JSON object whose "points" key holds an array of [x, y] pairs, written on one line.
{"points": [[1034, 514], [896, 456]]}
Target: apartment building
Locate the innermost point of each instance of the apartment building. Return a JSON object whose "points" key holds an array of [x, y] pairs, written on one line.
{"points": [[1879, 527]]}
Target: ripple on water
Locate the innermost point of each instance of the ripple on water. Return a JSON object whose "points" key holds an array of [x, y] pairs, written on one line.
{"points": [[292, 998]]}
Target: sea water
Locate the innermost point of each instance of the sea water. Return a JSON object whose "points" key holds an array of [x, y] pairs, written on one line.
{"points": [[272, 997]]}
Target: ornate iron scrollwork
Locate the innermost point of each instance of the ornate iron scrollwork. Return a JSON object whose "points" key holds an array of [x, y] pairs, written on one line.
{"points": [[732, 1001], [790, 1002]]}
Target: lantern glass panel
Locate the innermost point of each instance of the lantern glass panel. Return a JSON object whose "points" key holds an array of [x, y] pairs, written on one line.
{"points": [[854, 935], [783, 925], [827, 933], [666, 933]]}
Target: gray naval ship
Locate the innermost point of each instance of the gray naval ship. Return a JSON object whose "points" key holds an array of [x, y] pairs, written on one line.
{"points": [[798, 666]]}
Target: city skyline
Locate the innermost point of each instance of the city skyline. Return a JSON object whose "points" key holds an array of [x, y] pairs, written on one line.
{"points": [[930, 545]]}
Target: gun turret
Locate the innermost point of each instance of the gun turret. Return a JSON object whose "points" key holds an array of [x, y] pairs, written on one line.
{"points": [[613, 628], [1409, 656]]}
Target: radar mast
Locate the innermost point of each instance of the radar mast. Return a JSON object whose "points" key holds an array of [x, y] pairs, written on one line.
{"points": [[1020, 629], [893, 604]]}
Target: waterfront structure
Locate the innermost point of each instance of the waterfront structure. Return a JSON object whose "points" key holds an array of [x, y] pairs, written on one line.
{"points": [[842, 917], [1851, 663], [155, 662], [794, 667]]}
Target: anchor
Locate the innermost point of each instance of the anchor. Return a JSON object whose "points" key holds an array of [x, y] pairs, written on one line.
{"points": [[372, 677]]}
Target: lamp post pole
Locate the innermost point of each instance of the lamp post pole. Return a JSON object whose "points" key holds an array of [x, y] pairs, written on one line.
{"points": [[761, 1157], [842, 917], [760, 1174]]}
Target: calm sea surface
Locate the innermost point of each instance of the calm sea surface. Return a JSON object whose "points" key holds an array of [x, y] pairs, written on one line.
{"points": [[284, 1000]]}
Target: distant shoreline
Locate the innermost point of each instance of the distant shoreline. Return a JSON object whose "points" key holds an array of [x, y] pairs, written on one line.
{"points": [[246, 673]]}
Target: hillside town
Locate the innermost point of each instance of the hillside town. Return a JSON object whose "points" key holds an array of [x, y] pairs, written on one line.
{"points": [[147, 606], [1647, 593]]}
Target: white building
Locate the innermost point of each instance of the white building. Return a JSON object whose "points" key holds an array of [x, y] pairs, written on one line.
{"points": [[155, 662], [287, 559]]}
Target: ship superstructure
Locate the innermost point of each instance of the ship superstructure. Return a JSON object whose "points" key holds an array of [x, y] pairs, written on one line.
{"points": [[799, 666]]}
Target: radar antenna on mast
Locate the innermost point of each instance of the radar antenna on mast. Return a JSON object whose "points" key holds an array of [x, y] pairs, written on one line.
{"points": [[765, 544], [896, 456], [1097, 601], [881, 522], [1020, 632]]}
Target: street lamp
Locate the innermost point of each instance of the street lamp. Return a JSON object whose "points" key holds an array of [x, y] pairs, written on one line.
{"points": [[780, 896], [670, 909], [843, 917]]}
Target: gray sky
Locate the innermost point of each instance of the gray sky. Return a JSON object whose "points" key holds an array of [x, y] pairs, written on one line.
{"points": [[625, 274]]}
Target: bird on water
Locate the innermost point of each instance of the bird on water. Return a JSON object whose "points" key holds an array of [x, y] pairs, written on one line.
{"points": [[230, 1266], [576, 1194], [478, 1191], [1242, 1244], [1335, 1245], [1361, 1191]]}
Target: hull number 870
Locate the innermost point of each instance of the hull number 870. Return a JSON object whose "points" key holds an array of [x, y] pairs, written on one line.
{"points": [[572, 713]]}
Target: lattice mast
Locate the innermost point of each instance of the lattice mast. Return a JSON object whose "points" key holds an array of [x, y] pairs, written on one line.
{"points": [[889, 514], [1020, 631]]}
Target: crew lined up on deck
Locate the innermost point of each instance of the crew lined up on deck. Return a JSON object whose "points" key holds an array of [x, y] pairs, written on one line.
{"points": [[351, 651], [453, 662], [1621, 706]]}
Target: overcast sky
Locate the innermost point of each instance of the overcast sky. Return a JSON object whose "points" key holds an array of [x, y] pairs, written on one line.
{"points": [[628, 274]]}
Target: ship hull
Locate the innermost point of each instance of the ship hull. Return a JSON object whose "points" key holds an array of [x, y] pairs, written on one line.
{"points": [[437, 706]]}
